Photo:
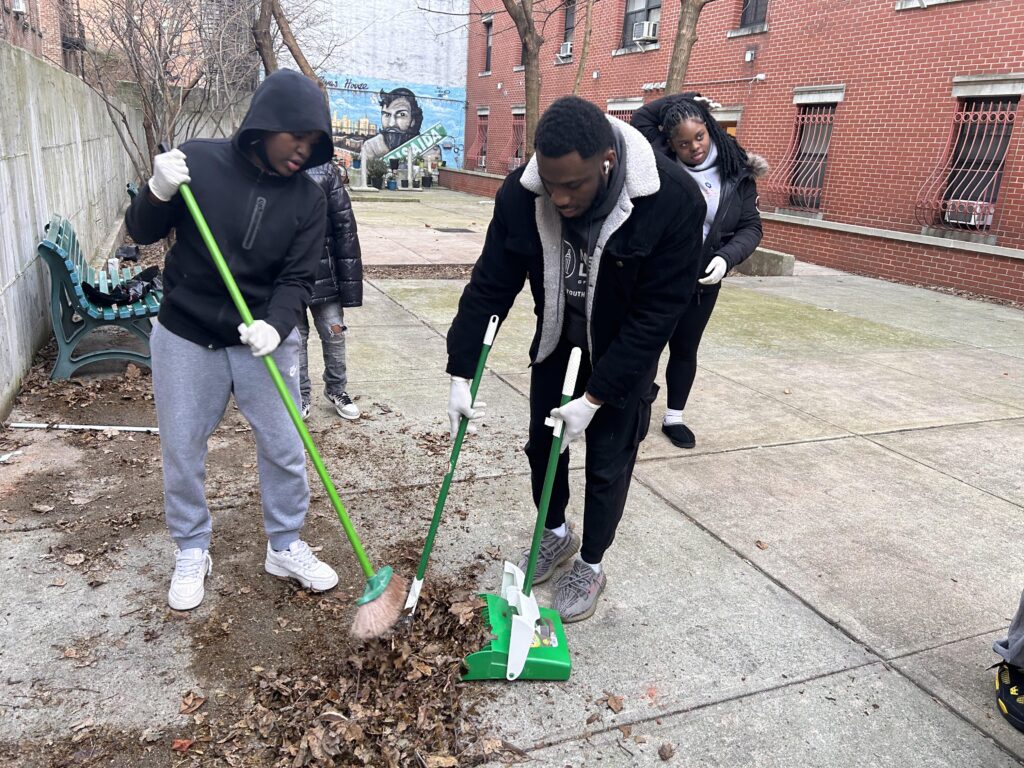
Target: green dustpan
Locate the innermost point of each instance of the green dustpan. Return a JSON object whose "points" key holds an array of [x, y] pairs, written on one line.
{"points": [[529, 641]]}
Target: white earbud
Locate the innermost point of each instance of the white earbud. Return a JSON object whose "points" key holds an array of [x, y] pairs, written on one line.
{"points": [[607, 167]]}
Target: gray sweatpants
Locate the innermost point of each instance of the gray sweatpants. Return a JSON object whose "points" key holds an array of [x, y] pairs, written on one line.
{"points": [[192, 385], [1011, 647]]}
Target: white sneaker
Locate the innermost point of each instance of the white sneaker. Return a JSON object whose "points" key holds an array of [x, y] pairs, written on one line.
{"points": [[344, 406], [298, 562], [191, 567]]}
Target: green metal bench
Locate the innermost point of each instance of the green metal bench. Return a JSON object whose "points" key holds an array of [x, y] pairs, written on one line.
{"points": [[74, 316]]}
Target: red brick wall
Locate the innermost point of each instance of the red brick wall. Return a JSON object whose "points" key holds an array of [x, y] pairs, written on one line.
{"points": [[996, 276], [890, 131], [49, 21], [485, 185], [24, 30]]}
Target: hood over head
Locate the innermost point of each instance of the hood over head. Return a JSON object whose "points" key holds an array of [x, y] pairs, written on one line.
{"points": [[288, 102]]}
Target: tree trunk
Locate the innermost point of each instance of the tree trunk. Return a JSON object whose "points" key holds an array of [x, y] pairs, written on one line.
{"points": [[584, 48], [686, 36], [521, 12], [293, 46], [532, 95], [262, 37]]}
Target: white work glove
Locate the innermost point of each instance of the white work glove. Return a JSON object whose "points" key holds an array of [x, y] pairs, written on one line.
{"points": [[169, 172], [577, 415], [460, 403], [260, 336], [715, 272]]}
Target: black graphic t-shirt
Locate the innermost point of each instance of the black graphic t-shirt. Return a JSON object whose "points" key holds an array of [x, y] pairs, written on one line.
{"points": [[574, 272]]}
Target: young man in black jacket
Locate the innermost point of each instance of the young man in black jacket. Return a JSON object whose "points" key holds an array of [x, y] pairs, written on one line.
{"points": [[609, 235], [268, 219], [339, 284]]}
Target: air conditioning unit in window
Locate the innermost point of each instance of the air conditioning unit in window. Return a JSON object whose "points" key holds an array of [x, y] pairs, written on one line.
{"points": [[513, 163], [566, 50], [645, 32], [481, 162], [969, 213], [19, 6]]}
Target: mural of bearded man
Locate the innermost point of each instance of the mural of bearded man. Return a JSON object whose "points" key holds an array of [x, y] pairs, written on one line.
{"points": [[400, 120]]}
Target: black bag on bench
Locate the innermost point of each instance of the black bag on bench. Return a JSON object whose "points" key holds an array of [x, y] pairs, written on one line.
{"points": [[127, 292]]}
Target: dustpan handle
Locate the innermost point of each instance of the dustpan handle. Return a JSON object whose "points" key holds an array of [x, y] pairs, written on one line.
{"points": [[568, 388]]}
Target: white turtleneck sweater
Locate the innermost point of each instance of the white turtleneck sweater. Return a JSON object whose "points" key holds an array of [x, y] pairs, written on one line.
{"points": [[709, 180]]}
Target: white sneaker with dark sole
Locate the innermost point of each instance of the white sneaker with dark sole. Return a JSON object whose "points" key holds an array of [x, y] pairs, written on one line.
{"points": [[191, 567], [344, 406], [298, 562]]}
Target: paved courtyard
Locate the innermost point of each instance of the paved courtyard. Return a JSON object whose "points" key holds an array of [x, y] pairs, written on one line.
{"points": [[817, 583]]}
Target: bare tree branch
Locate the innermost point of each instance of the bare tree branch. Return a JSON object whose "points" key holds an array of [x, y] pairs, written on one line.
{"points": [[584, 48], [264, 40], [686, 36], [293, 46]]}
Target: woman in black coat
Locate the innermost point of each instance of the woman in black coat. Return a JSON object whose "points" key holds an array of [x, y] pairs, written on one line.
{"points": [[681, 127], [339, 284]]}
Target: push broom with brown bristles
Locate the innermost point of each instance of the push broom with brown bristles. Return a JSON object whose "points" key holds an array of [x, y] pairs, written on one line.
{"points": [[384, 596]]}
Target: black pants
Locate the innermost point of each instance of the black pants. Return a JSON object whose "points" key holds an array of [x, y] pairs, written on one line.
{"points": [[612, 441], [682, 347]]}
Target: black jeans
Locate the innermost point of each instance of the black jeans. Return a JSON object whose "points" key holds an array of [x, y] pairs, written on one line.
{"points": [[682, 347], [613, 438]]}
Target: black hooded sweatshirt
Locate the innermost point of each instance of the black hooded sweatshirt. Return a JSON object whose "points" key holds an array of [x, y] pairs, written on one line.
{"points": [[270, 228]]}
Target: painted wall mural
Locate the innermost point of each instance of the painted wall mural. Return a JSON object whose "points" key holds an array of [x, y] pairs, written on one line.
{"points": [[371, 117]]}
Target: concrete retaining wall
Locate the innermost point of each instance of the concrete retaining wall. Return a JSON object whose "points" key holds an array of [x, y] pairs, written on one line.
{"points": [[58, 154]]}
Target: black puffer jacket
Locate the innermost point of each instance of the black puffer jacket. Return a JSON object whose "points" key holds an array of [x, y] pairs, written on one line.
{"points": [[736, 231], [340, 274]]}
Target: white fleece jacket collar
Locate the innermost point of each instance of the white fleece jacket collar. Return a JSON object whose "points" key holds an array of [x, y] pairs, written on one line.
{"points": [[641, 180]]}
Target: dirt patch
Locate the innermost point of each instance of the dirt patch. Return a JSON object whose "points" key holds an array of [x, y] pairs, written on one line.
{"points": [[277, 679], [418, 271]]}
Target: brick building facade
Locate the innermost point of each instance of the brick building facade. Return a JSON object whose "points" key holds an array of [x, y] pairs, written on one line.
{"points": [[49, 29], [892, 126]]}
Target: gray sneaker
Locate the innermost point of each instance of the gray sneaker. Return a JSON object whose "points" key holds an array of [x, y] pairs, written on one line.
{"points": [[554, 551], [576, 592], [343, 405]]}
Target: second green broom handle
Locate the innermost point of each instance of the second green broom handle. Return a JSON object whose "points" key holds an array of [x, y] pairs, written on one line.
{"points": [[460, 435], [568, 388]]}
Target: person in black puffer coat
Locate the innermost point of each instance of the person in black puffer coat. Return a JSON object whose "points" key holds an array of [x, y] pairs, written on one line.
{"points": [[339, 284], [681, 127]]}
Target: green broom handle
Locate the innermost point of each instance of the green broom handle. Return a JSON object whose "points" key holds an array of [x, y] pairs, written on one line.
{"points": [[275, 375], [568, 387], [492, 329]]}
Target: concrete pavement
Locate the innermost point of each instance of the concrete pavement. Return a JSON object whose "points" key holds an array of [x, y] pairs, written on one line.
{"points": [[817, 583]]}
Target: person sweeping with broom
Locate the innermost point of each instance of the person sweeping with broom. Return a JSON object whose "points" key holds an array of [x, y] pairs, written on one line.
{"points": [[609, 235], [269, 220]]}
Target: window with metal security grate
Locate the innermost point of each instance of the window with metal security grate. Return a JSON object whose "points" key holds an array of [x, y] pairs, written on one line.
{"points": [[962, 192], [799, 180], [517, 142], [478, 159]]}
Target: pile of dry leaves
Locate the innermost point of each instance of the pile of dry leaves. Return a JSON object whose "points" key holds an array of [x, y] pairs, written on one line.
{"points": [[393, 702]]}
